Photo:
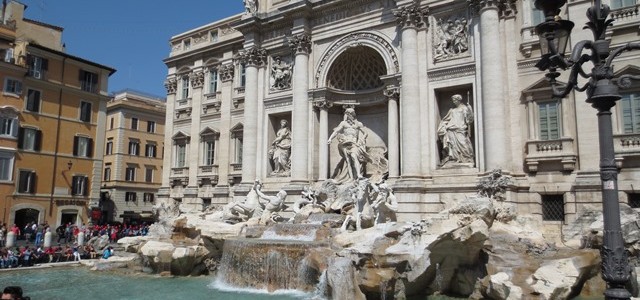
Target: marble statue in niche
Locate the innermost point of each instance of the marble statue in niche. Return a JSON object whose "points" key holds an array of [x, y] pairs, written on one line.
{"points": [[251, 6], [454, 131], [280, 74], [280, 152], [352, 148], [451, 38]]}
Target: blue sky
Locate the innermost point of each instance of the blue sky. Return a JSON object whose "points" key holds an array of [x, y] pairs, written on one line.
{"points": [[131, 36]]}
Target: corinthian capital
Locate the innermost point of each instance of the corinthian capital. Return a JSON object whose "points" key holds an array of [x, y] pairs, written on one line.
{"points": [[392, 92], [254, 57], [171, 85], [412, 16], [226, 72], [300, 43], [197, 79]]}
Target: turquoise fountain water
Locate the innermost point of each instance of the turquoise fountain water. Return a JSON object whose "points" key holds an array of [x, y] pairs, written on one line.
{"points": [[80, 283]]}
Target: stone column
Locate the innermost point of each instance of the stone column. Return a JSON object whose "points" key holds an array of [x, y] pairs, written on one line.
{"points": [[393, 132], [496, 152], [323, 148], [171, 84], [226, 73], [410, 19], [196, 79], [253, 58], [301, 47]]}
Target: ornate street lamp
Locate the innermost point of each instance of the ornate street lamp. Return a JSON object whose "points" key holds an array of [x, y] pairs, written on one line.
{"points": [[602, 93]]}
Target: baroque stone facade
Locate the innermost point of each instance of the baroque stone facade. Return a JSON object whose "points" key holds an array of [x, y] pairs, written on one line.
{"points": [[396, 65]]}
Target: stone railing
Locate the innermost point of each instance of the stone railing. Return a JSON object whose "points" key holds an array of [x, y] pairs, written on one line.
{"points": [[179, 172], [626, 14], [627, 144], [553, 151], [213, 169]]}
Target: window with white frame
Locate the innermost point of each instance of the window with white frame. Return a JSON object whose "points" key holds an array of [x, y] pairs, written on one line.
{"points": [[148, 197], [150, 150], [80, 185], [236, 139], [134, 147], [630, 112], [88, 81], [537, 16], [134, 123], [29, 139], [130, 174], [37, 66], [243, 75], [209, 151], [85, 111], [130, 197], [615, 4], [549, 120], [82, 146], [26, 181], [107, 174], [213, 80], [181, 155], [33, 100], [12, 86], [184, 85], [148, 175], [9, 126], [151, 126], [6, 165], [109, 147]]}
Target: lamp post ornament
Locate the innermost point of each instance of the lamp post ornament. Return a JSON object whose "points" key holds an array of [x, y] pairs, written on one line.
{"points": [[602, 94]]}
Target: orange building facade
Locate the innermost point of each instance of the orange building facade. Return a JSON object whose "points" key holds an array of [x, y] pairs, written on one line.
{"points": [[53, 108]]}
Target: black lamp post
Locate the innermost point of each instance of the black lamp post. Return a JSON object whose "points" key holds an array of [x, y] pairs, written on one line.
{"points": [[602, 93]]}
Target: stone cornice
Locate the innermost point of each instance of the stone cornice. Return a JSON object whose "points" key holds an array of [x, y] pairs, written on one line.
{"points": [[300, 43], [412, 16], [252, 57], [452, 72]]}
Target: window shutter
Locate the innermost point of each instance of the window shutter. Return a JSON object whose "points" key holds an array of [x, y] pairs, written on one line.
{"points": [[90, 148], [94, 78], [81, 75], [38, 141], [32, 187], [23, 181], [20, 138], [137, 149], [30, 61], [45, 64], [30, 100], [154, 151], [74, 185], [18, 87], [85, 180], [15, 129], [75, 145]]}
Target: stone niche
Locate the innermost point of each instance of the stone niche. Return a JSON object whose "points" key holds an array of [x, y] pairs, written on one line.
{"points": [[375, 122], [452, 159], [272, 133]]}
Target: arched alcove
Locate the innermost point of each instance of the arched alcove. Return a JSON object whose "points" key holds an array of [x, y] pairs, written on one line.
{"points": [[357, 69]]}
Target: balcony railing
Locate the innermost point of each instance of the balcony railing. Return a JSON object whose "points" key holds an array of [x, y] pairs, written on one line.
{"points": [[179, 172], [627, 13], [212, 169], [540, 152], [627, 144]]}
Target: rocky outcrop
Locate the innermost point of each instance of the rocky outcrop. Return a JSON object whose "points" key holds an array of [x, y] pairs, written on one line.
{"points": [[564, 278]]}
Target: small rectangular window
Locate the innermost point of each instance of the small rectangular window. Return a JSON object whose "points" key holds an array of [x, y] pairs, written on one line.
{"points": [[6, 165], [111, 123], [615, 4], [209, 150], [82, 146], [12, 86], [150, 150], [8, 126], [26, 182], [33, 100], [148, 176], [148, 197], [85, 111], [634, 200], [181, 152], [130, 174], [88, 81], [243, 75], [37, 66], [80, 185], [107, 174], [185, 87], [134, 123], [151, 126], [130, 197], [134, 148], [553, 207], [109, 147], [549, 120], [29, 139], [630, 108], [213, 81]]}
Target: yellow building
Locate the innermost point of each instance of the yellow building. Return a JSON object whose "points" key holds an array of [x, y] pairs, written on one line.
{"points": [[53, 108], [133, 152]]}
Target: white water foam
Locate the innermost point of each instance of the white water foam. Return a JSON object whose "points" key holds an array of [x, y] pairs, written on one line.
{"points": [[223, 287]]}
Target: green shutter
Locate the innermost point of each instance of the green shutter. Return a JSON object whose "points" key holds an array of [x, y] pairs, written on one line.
{"points": [[549, 120]]}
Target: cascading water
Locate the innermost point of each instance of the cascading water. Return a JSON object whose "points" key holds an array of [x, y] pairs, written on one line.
{"points": [[282, 259]]}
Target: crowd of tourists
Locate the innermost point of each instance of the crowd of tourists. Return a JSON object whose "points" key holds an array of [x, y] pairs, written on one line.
{"points": [[65, 245]]}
